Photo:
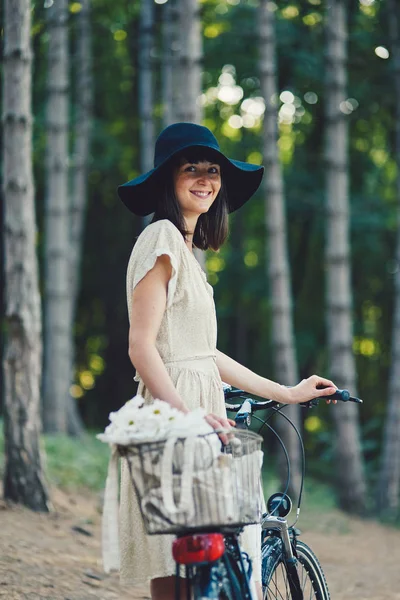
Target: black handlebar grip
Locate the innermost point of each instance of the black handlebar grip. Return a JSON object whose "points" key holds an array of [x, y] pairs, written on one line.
{"points": [[343, 395]]}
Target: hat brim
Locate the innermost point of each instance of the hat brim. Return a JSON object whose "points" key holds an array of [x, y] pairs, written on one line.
{"points": [[241, 181]]}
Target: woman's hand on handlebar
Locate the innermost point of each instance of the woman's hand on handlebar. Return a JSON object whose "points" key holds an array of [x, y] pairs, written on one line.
{"points": [[313, 387]]}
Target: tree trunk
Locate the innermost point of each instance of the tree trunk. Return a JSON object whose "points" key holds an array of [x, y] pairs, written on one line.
{"points": [[79, 172], [279, 273], [23, 477], [189, 62], [57, 333], [169, 71], [145, 89], [189, 72], [388, 492], [351, 481]]}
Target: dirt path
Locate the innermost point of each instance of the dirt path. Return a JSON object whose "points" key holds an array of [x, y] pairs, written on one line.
{"points": [[57, 556]]}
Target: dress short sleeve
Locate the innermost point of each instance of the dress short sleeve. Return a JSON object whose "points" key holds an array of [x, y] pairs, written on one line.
{"points": [[158, 239]]}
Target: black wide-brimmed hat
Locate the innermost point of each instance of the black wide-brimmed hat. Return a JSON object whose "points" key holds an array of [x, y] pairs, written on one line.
{"points": [[241, 179]]}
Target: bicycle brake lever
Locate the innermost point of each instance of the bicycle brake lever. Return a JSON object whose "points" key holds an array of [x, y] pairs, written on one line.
{"points": [[310, 403]]}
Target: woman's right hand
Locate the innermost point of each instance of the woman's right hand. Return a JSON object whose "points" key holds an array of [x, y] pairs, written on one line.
{"points": [[218, 423]]}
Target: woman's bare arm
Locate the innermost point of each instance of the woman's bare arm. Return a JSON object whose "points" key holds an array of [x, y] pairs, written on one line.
{"points": [[239, 376], [149, 301]]}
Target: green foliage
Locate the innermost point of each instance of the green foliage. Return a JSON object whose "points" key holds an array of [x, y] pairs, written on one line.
{"points": [[72, 464], [76, 464]]}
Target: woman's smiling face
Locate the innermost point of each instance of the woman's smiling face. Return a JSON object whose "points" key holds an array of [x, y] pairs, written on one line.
{"points": [[197, 185]]}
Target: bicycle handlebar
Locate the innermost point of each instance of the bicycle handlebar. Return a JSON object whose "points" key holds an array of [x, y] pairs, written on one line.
{"points": [[341, 395]]}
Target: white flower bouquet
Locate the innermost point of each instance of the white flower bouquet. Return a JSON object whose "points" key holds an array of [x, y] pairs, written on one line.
{"points": [[137, 422]]}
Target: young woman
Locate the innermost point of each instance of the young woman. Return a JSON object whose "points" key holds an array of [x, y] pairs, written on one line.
{"points": [[173, 330]]}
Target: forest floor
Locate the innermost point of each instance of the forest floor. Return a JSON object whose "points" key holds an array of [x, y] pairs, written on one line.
{"points": [[57, 556]]}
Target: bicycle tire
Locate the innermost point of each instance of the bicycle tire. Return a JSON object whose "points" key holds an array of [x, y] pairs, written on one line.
{"points": [[275, 578]]}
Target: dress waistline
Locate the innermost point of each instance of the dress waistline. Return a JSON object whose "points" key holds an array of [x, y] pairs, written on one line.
{"points": [[204, 364]]}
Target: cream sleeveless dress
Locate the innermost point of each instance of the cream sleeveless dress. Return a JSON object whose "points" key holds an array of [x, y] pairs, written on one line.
{"points": [[186, 342]]}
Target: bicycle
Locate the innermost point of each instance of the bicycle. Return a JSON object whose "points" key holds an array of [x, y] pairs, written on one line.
{"points": [[290, 569], [215, 566]]}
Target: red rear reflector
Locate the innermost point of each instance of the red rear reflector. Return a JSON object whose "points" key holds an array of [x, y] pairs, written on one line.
{"points": [[200, 548]]}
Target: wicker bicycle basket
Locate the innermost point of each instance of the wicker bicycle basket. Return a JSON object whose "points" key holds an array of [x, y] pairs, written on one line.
{"points": [[196, 483]]}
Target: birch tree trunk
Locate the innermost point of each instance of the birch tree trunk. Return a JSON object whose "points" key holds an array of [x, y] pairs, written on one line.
{"points": [[190, 58], [79, 172], [188, 107], [169, 69], [23, 477], [57, 333], [279, 273], [351, 481], [145, 89], [388, 493]]}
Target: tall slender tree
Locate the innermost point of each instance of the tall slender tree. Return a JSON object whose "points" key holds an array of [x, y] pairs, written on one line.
{"points": [[285, 362], [23, 476], [189, 84], [83, 99], [57, 333], [351, 480], [189, 62], [388, 492], [169, 70], [145, 88]]}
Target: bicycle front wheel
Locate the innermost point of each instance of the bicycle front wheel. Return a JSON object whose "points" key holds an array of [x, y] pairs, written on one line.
{"points": [[276, 579]]}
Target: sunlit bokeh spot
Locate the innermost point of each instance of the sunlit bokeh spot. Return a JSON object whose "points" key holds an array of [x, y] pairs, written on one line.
{"points": [[255, 158], [160, 1], [226, 78], [76, 391], [230, 94], [272, 7], [75, 7], [97, 364], [251, 259], [367, 2], [285, 142], [86, 380], [215, 264], [213, 278], [382, 52], [286, 97], [362, 144], [366, 347], [379, 156], [120, 35], [249, 121], [346, 107], [221, 9], [233, 134], [235, 121], [214, 29], [253, 106], [311, 97], [286, 113], [290, 12], [313, 424], [312, 19]]}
